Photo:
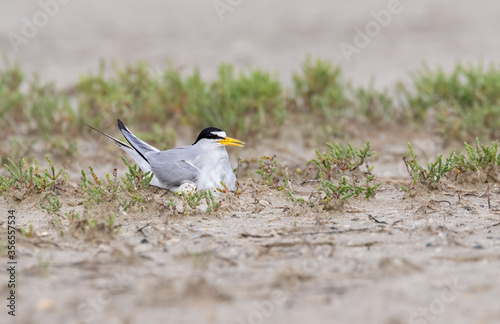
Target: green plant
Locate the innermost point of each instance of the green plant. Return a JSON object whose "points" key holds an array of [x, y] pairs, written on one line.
{"points": [[340, 159], [54, 205], [435, 170], [342, 190], [128, 190], [37, 109], [6, 183], [273, 174], [89, 222], [94, 190], [478, 157], [345, 190], [72, 216], [110, 224], [321, 88], [28, 233], [24, 177], [194, 199], [135, 179], [171, 204], [463, 102], [242, 105], [299, 200], [132, 185], [373, 104]]}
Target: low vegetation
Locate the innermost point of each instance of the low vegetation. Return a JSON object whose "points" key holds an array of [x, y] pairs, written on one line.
{"points": [[476, 159], [24, 177], [272, 173], [463, 102], [339, 177], [127, 191], [340, 159], [249, 104]]}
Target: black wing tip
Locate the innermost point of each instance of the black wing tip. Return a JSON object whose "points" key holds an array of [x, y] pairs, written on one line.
{"points": [[123, 129], [121, 125]]}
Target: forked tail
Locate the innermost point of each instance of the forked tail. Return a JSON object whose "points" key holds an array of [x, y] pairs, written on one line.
{"points": [[137, 148]]}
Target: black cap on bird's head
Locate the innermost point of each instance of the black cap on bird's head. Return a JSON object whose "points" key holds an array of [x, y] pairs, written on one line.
{"points": [[213, 133], [210, 133]]}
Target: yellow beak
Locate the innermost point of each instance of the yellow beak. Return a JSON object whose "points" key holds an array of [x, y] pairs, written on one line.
{"points": [[231, 141]]}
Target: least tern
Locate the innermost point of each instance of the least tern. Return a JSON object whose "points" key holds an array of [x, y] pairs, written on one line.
{"points": [[205, 163]]}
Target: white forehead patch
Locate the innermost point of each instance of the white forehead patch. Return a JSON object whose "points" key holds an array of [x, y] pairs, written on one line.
{"points": [[221, 134]]}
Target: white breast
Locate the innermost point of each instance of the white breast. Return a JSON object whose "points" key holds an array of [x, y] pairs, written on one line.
{"points": [[214, 169]]}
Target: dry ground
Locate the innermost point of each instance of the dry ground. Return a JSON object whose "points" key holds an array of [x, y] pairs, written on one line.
{"points": [[422, 257]]}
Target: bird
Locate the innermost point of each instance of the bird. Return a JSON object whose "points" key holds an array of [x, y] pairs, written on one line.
{"points": [[204, 164]]}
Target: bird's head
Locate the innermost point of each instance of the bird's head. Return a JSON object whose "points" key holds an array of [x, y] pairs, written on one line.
{"points": [[217, 137]]}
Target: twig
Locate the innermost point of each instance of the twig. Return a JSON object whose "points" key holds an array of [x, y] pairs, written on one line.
{"points": [[376, 220], [246, 235], [334, 231], [145, 239], [443, 201], [308, 181], [494, 225]]}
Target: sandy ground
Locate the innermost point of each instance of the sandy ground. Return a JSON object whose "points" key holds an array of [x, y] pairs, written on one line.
{"points": [[431, 258]]}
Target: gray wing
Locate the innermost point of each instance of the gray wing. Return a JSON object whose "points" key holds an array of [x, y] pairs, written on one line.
{"points": [[173, 167]]}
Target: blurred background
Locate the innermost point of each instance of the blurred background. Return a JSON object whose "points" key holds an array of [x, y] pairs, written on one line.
{"points": [[357, 71], [274, 35]]}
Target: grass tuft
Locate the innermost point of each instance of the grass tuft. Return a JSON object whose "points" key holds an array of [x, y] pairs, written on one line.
{"points": [[340, 159], [24, 177]]}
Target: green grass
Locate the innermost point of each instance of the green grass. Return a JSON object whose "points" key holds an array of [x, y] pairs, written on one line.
{"points": [[54, 205], [241, 104], [345, 190], [246, 104], [24, 177], [464, 102], [128, 190], [193, 200], [322, 87], [29, 107], [28, 233], [341, 163], [250, 104], [323, 92], [476, 158], [340, 159], [272, 173], [341, 190]]}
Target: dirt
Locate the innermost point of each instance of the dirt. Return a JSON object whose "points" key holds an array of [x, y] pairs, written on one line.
{"points": [[431, 256], [426, 256]]}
